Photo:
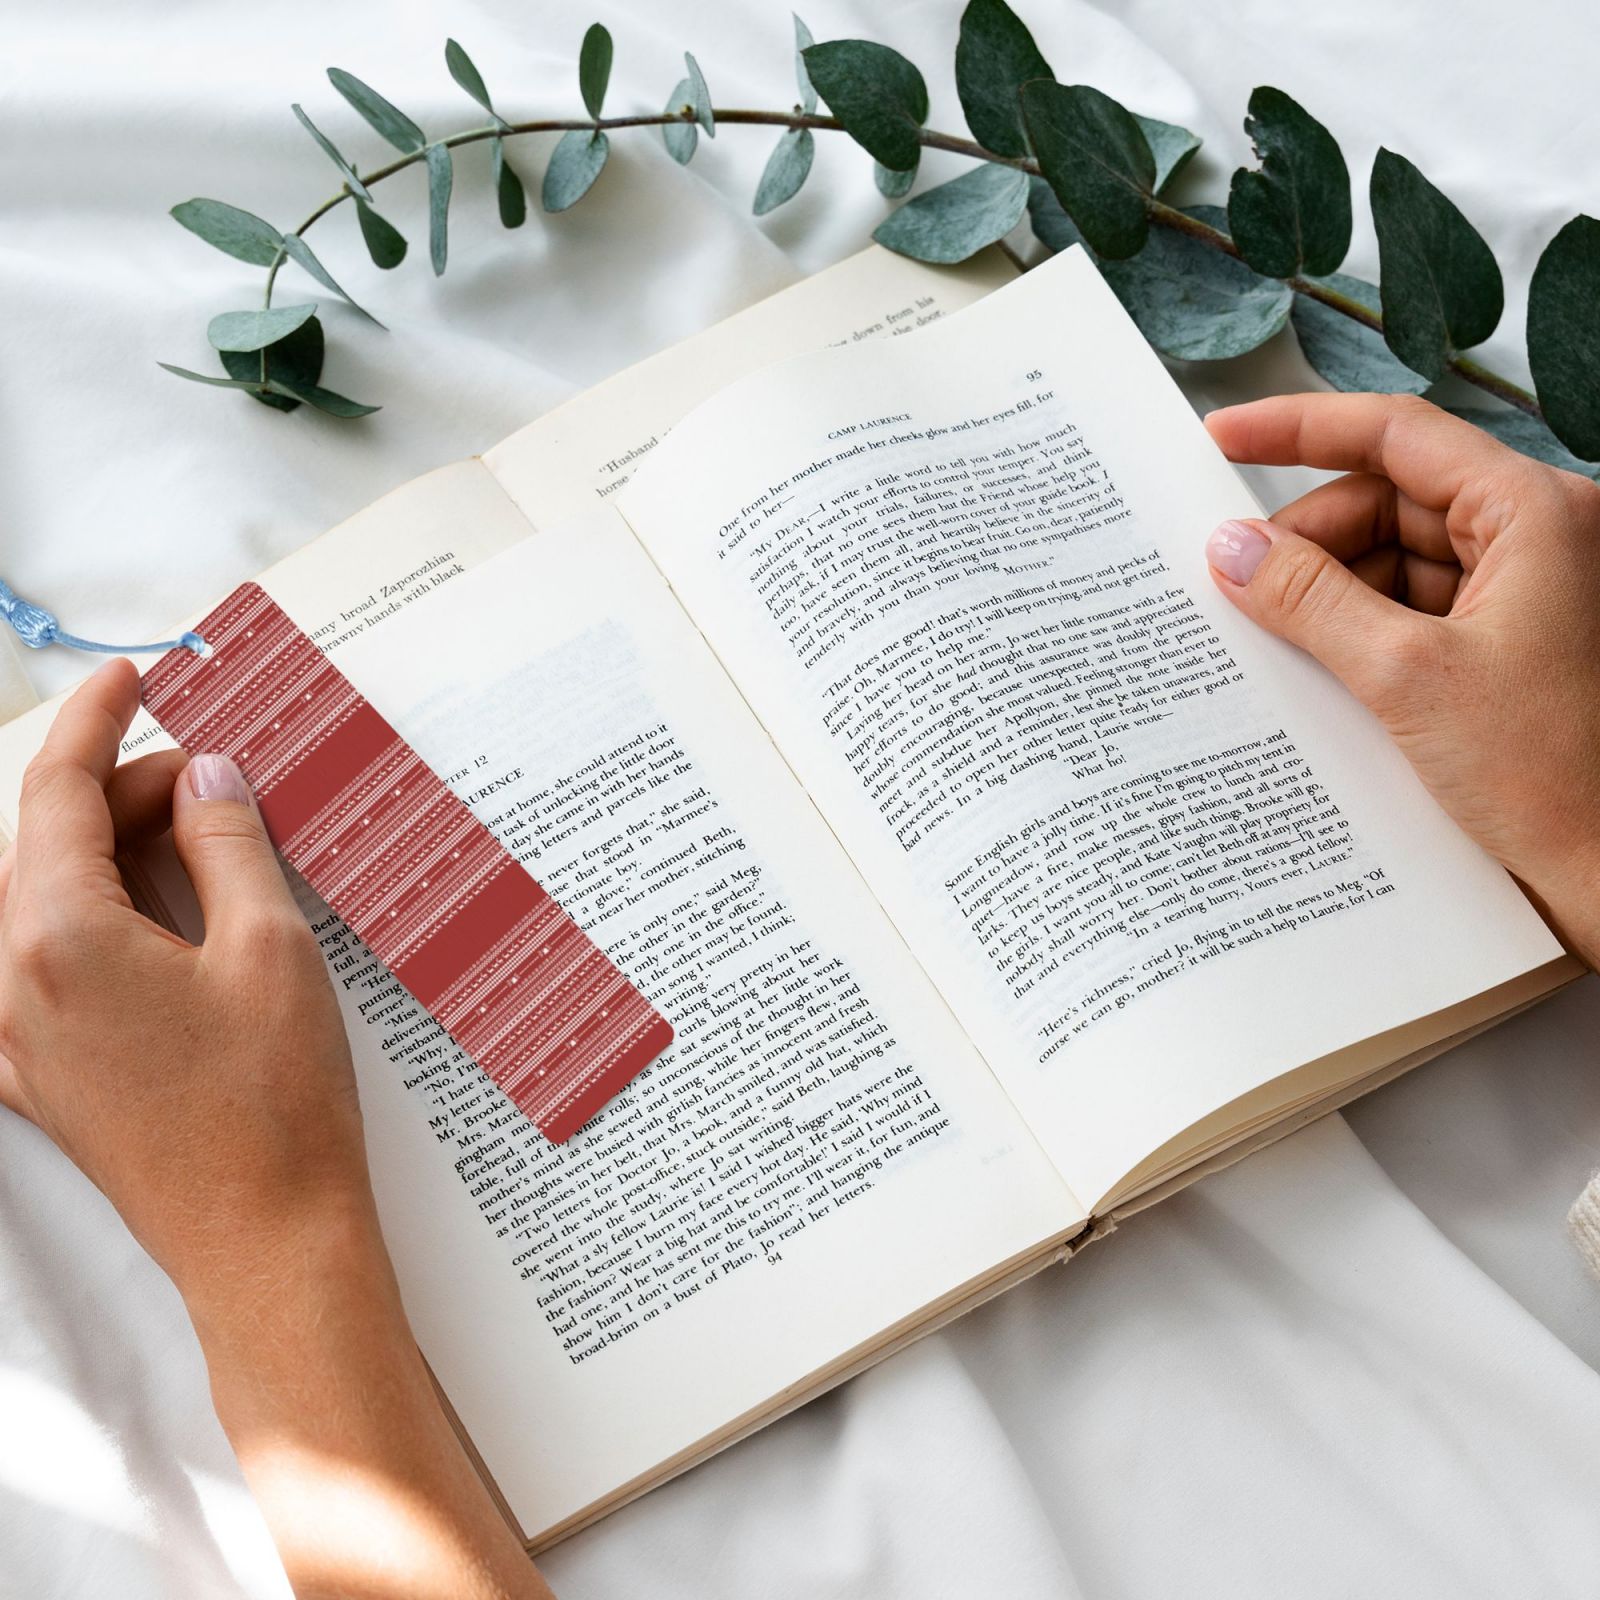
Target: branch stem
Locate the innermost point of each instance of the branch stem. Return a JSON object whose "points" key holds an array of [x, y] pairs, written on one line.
{"points": [[1163, 215]]}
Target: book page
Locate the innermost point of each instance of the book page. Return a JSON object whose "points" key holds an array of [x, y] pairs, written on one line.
{"points": [[588, 448], [1152, 856], [819, 1155]]}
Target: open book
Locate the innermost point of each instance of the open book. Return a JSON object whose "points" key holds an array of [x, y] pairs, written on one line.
{"points": [[881, 721]]}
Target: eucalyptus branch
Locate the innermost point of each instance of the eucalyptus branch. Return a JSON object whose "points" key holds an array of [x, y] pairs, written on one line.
{"points": [[1080, 166], [1160, 213], [733, 116], [1463, 366]]}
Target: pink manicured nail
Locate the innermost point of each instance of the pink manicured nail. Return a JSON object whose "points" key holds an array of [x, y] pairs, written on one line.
{"points": [[1235, 549], [216, 778]]}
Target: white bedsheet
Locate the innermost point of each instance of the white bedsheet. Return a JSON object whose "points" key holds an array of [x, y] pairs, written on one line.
{"points": [[1361, 1363]]}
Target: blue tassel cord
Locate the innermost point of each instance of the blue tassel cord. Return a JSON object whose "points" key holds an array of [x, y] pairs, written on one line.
{"points": [[36, 628]]}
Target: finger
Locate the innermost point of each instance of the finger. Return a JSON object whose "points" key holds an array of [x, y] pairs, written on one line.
{"points": [[1359, 512], [139, 796], [65, 837], [139, 800], [1381, 570], [1430, 586], [1433, 457], [11, 1093], [1296, 590], [1427, 586], [225, 850]]}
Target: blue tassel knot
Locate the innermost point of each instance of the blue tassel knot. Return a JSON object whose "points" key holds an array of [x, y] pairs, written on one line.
{"points": [[36, 628]]}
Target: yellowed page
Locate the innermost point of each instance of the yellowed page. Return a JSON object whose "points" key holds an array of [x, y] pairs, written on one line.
{"points": [[820, 1155], [1152, 856], [590, 446]]}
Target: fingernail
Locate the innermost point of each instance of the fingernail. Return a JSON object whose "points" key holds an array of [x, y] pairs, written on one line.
{"points": [[217, 778], [1235, 549]]}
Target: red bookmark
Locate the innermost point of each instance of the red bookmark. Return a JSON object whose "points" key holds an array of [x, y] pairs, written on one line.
{"points": [[369, 825]]}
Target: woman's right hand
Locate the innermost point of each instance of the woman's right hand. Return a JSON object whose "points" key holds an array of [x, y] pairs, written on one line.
{"points": [[1453, 585]]}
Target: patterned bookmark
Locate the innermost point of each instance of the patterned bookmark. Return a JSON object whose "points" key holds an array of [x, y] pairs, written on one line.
{"points": [[359, 814]]}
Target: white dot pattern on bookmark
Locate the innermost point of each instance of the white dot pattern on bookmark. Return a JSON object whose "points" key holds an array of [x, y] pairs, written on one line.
{"points": [[388, 846]]}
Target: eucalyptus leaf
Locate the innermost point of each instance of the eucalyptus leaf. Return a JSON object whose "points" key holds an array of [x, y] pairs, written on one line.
{"points": [[387, 120], [469, 78], [1526, 434], [1096, 159], [808, 90], [1564, 335], [235, 233], [201, 377], [510, 196], [1193, 302], [385, 243], [1293, 215], [594, 67], [1441, 289], [957, 219], [352, 180], [1171, 147], [251, 330], [893, 185], [681, 137], [876, 93], [786, 170], [1347, 354], [1052, 227], [700, 96], [295, 360], [336, 405], [995, 56], [574, 165], [299, 252], [441, 179]]}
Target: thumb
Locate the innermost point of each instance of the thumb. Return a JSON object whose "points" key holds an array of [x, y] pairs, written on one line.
{"points": [[1296, 590], [224, 848]]}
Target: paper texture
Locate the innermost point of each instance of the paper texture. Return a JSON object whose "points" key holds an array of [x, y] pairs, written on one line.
{"points": [[961, 579]]}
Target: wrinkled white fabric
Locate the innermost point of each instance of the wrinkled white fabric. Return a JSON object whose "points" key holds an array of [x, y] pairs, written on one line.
{"points": [[1362, 1362]]}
